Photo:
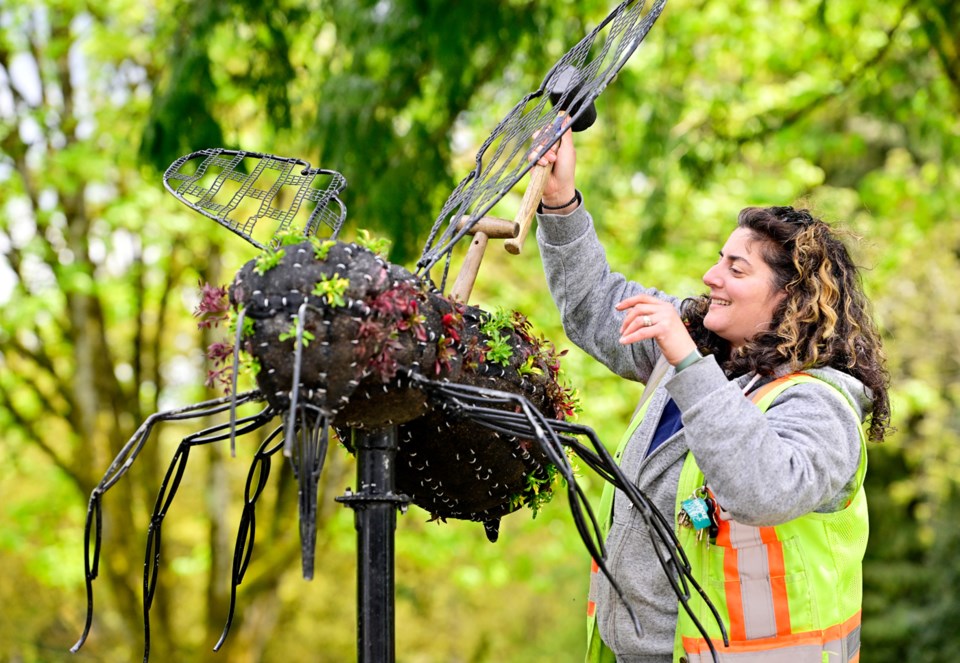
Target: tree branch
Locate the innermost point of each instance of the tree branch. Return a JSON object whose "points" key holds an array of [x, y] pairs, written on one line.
{"points": [[938, 34], [29, 428], [45, 363], [772, 123]]}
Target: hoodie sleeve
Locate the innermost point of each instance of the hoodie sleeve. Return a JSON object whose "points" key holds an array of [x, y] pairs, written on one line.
{"points": [[586, 293], [768, 468]]}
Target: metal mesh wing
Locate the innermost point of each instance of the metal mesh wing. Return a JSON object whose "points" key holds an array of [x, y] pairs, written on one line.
{"points": [[259, 196], [503, 158]]}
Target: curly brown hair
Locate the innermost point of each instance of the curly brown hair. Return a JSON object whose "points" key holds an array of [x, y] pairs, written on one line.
{"points": [[824, 319]]}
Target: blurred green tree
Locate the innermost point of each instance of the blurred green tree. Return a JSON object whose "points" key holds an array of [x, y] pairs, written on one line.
{"points": [[848, 108]]}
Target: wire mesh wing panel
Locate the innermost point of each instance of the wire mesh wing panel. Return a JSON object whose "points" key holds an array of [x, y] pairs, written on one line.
{"points": [[507, 154], [259, 196]]}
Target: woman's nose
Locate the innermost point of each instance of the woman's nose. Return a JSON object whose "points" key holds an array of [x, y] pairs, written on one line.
{"points": [[710, 279]]}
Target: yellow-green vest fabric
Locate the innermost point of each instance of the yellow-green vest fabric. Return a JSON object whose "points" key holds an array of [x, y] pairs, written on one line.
{"points": [[806, 610]]}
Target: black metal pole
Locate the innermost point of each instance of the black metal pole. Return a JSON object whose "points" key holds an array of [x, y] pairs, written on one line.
{"points": [[375, 518]]}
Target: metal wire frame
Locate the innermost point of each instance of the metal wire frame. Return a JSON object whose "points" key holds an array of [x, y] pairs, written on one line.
{"points": [[303, 423], [523, 420], [247, 530], [219, 166], [93, 528], [311, 429], [507, 155]]}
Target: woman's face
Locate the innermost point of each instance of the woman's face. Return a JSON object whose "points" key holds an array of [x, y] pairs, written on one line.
{"points": [[742, 293]]}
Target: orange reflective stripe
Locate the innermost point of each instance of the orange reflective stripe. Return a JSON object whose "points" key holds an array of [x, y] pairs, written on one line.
{"points": [[731, 586], [778, 580], [829, 639], [758, 395], [591, 604]]}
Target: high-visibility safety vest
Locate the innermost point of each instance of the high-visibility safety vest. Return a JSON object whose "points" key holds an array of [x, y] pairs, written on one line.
{"points": [[790, 593]]}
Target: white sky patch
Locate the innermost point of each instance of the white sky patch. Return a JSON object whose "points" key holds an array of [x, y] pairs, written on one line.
{"points": [[8, 279], [121, 256], [25, 78], [462, 139], [21, 226], [639, 183]]}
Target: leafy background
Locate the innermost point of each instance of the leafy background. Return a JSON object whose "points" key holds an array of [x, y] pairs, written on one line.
{"points": [[848, 108]]}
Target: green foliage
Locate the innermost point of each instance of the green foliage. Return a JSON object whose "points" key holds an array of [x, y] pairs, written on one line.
{"points": [[267, 260], [247, 330], [528, 368], [494, 322], [332, 289], [250, 364], [497, 344], [306, 336], [498, 348], [289, 238], [379, 245], [321, 247]]}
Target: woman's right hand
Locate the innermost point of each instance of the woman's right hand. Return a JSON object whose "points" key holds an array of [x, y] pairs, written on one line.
{"points": [[561, 185]]}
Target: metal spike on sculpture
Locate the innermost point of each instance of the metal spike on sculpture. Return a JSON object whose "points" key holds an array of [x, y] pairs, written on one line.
{"points": [[455, 409]]}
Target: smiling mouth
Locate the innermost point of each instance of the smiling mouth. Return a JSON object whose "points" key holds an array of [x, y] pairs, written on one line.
{"points": [[719, 302]]}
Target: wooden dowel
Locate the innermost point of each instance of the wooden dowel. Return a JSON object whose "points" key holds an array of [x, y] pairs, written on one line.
{"points": [[491, 226], [463, 286]]}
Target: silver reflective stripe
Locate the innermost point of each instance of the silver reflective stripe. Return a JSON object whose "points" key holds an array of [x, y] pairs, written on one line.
{"points": [[802, 654], [841, 650], [759, 620], [853, 643], [742, 536], [753, 566]]}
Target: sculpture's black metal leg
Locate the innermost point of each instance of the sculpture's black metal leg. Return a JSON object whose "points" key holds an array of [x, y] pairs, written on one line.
{"points": [[374, 506]]}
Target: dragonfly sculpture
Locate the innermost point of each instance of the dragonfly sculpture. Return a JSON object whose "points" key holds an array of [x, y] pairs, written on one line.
{"points": [[343, 341]]}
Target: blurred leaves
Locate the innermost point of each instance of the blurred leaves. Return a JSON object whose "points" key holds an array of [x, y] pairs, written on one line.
{"points": [[851, 110]]}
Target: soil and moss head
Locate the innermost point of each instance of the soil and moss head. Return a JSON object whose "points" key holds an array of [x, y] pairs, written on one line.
{"points": [[363, 326], [358, 319]]}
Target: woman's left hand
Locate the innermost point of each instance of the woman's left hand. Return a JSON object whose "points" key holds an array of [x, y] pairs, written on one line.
{"points": [[649, 317]]}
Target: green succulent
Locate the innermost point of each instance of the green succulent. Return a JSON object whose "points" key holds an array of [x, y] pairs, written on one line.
{"points": [[268, 260], [321, 247], [291, 333], [332, 289], [379, 245]]}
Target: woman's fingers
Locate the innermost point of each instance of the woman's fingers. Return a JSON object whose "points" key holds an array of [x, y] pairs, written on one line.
{"points": [[650, 318], [638, 306]]}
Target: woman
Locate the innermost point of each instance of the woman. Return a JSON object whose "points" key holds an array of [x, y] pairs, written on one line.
{"points": [[779, 473]]}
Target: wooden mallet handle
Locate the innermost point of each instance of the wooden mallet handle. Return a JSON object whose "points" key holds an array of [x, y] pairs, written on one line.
{"points": [[563, 88], [528, 206]]}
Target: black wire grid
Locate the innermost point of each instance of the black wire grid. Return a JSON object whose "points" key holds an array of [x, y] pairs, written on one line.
{"points": [[239, 190], [507, 155]]}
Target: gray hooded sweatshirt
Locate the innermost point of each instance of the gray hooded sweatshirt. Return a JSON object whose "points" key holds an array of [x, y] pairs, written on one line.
{"points": [[764, 468]]}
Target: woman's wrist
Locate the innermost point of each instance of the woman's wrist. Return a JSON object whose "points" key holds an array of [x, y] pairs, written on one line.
{"points": [[560, 204], [688, 360]]}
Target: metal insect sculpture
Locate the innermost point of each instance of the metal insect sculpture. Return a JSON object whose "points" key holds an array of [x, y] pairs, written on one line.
{"points": [[341, 340]]}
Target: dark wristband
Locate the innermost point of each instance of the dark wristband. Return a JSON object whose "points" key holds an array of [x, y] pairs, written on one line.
{"points": [[575, 199]]}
